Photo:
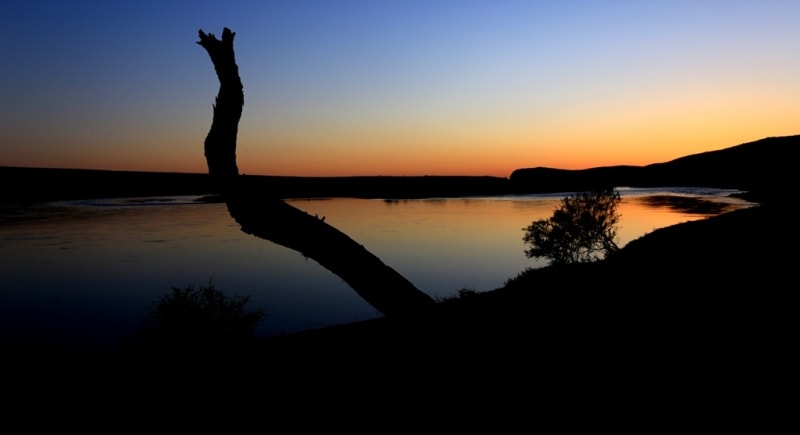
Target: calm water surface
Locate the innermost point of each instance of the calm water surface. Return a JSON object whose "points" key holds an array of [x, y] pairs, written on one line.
{"points": [[83, 273]]}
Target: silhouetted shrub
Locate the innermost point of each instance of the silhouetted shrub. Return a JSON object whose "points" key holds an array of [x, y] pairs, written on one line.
{"points": [[463, 293], [582, 229], [200, 318]]}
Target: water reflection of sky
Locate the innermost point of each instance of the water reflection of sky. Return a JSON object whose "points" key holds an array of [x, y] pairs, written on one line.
{"points": [[91, 268]]}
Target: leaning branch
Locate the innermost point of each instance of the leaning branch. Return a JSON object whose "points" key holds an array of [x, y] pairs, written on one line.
{"points": [[270, 218]]}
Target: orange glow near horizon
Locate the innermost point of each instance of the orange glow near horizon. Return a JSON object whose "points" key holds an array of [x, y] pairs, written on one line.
{"points": [[442, 161], [619, 137]]}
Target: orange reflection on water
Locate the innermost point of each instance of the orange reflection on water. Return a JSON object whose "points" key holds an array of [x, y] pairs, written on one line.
{"points": [[484, 223], [638, 218]]}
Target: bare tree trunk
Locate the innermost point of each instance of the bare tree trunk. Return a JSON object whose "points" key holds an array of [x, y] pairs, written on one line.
{"points": [[266, 216]]}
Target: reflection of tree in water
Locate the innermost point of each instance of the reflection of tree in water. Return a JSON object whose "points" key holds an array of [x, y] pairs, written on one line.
{"points": [[269, 217], [687, 204]]}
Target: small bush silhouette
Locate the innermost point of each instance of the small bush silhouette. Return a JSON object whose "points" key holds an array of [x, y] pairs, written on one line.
{"points": [[200, 318], [582, 229]]}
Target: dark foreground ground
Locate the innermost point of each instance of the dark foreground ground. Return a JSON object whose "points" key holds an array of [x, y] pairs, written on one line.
{"points": [[690, 320], [701, 297]]}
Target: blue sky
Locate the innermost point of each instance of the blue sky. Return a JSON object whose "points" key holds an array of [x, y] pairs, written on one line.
{"points": [[396, 88]]}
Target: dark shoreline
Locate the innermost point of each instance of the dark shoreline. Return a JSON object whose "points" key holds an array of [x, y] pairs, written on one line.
{"points": [[37, 185], [31, 185]]}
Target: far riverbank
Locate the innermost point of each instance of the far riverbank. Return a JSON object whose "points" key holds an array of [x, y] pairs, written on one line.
{"points": [[31, 185]]}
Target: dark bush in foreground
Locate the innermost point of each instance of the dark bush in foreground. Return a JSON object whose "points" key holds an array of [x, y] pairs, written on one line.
{"points": [[200, 318]]}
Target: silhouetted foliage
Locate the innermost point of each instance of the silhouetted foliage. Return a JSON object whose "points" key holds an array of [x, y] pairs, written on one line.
{"points": [[582, 229], [201, 317]]}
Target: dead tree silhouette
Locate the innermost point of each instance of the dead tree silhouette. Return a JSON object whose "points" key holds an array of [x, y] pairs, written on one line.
{"points": [[267, 216]]}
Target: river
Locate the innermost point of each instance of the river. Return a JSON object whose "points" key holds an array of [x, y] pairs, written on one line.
{"points": [[83, 274]]}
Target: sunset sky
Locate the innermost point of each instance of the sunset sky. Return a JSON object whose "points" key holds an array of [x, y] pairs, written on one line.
{"points": [[390, 87]]}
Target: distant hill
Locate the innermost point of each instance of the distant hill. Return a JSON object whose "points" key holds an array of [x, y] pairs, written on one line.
{"points": [[764, 165]]}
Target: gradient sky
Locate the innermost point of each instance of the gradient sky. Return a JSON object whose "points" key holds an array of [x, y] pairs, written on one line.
{"points": [[396, 87]]}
